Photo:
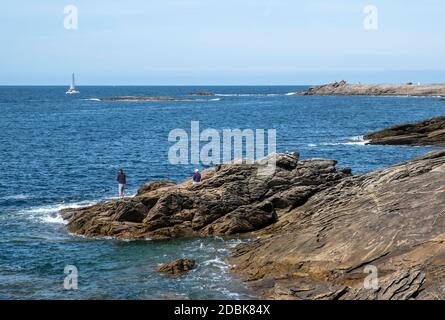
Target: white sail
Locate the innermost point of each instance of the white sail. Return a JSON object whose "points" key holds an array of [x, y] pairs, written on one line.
{"points": [[72, 89]]}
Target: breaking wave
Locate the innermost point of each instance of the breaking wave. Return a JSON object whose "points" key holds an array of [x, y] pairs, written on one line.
{"points": [[50, 213], [354, 141], [16, 197]]}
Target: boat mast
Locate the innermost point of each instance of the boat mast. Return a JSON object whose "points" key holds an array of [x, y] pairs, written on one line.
{"points": [[72, 82]]}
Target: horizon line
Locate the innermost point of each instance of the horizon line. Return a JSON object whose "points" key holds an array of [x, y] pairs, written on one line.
{"points": [[220, 85]]}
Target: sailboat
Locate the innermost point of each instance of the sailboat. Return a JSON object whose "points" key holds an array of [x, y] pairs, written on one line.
{"points": [[72, 89]]}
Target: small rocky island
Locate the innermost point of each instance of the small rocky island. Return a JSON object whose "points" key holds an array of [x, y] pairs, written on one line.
{"points": [[202, 93], [430, 132], [312, 231], [342, 88], [142, 98]]}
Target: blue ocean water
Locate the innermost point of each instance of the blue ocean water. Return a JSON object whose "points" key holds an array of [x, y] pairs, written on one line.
{"points": [[59, 151]]}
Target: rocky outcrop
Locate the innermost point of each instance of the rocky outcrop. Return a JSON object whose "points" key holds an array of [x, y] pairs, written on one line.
{"points": [[231, 199], [314, 232], [429, 132], [201, 93], [342, 88], [176, 267], [141, 98], [375, 236]]}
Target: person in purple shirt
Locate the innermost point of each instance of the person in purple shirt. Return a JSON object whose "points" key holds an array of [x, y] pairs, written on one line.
{"points": [[196, 177]]}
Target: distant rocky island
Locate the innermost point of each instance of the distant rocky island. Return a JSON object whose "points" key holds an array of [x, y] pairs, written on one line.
{"points": [[429, 132], [201, 93], [142, 98], [342, 88]]}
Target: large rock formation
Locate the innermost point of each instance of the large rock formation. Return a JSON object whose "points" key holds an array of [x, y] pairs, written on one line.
{"points": [[315, 232], [232, 198], [391, 222], [342, 88], [429, 132]]}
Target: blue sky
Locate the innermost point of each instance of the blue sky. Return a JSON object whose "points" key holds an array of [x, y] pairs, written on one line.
{"points": [[221, 42]]}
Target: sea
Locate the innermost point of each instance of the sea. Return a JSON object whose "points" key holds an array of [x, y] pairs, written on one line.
{"points": [[59, 151]]}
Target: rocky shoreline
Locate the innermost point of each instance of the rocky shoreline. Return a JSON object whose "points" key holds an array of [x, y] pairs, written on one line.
{"points": [[391, 221], [315, 231], [342, 88], [430, 132]]}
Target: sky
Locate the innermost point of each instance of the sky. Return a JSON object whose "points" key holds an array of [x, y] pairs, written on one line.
{"points": [[221, 42]]}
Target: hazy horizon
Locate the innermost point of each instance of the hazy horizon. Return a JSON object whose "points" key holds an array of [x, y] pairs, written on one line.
{"points": [[197, 42]]}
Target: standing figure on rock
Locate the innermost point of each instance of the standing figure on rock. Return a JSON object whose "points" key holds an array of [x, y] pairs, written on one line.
{"points": [[122, 180], [196, 177]]}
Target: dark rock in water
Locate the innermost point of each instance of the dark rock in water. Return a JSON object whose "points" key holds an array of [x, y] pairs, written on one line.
{"points": [[232, 198], [379, 235], [141, 98], [177, 267], [201, 93], [342, 88], [429, 132]]}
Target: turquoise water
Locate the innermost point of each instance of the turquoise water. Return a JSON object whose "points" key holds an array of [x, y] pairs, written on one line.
{"points": [[59, 151]]}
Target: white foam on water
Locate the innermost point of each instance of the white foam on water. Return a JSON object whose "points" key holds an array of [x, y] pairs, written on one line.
{"points": [[201, 100], [50, 213], [351, 141], [216, 262], [233, 243], [16, 197], [55, 219], [357, 140]]}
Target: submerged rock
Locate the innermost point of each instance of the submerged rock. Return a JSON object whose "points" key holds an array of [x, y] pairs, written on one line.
{"points": [[176, 267], [375, 236], [428, 132], [231, 199], [141, 98], [201, 93]]}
